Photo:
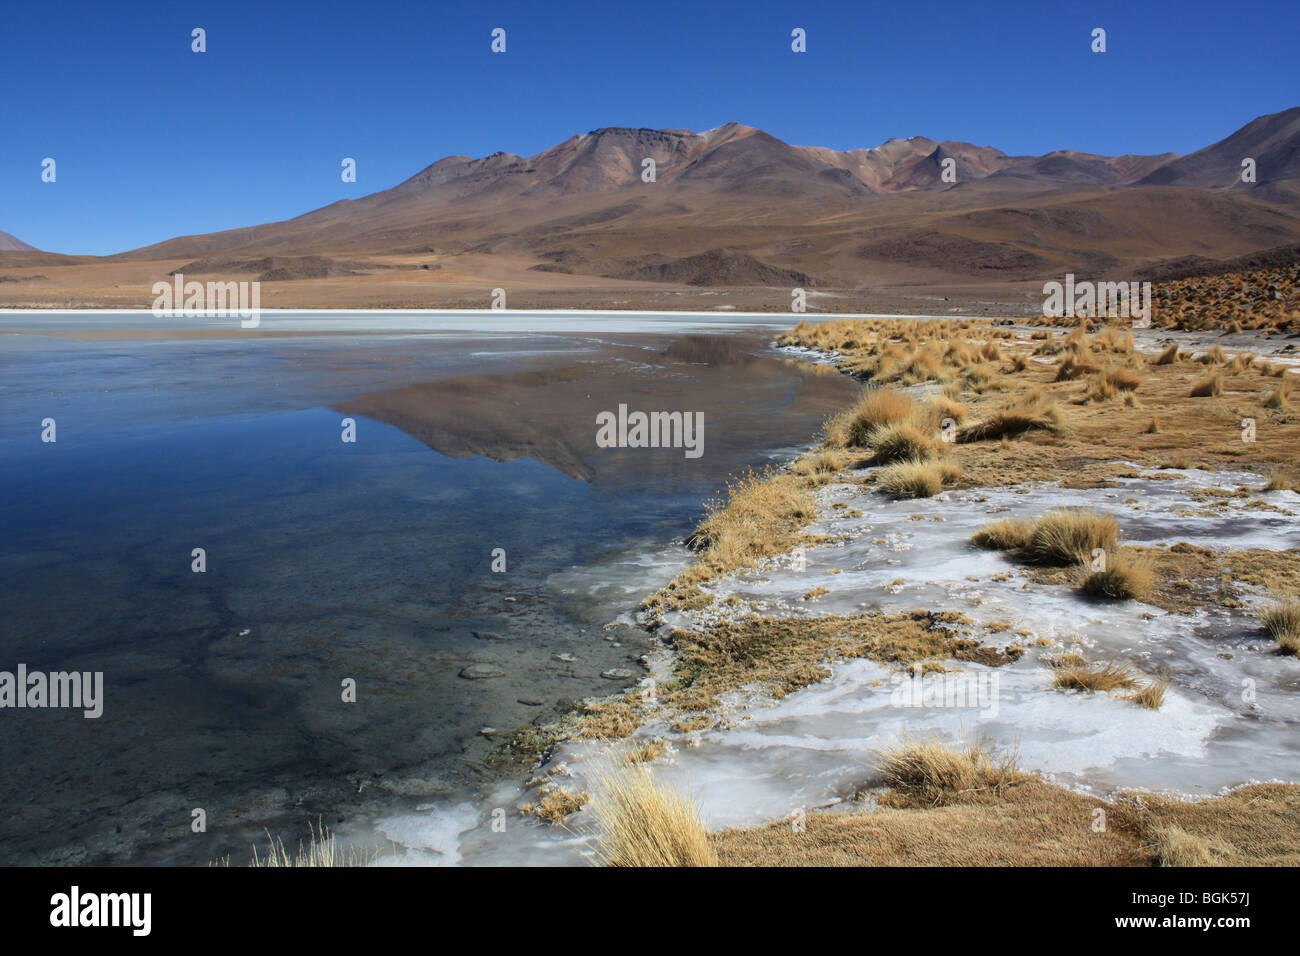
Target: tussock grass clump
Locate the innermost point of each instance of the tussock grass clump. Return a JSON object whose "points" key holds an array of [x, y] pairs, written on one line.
{"points": [[912, 479], [1280, 398], [937, 408], [1215, 356], [927, 771], [1099, 390], [1169, 356], [1124, 578], [1061, 537], [555, 804], [1123, 378], [1092, 677], [321, 850], [1065, 536], [1277, 481], [1008, 534], [901, 443], [1211, 386], [1176, 847], [821, 467], [877, 408], [1072, 367], [1033, 411], [1283, 623], [1151, 695], [645, 751], [758, 517], [642, 822]]}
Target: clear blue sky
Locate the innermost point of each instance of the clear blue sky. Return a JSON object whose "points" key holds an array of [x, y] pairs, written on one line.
{"points": [[154, 141]]}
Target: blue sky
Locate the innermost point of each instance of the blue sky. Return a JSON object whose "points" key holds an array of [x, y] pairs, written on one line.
{"points": [[154, 141]]}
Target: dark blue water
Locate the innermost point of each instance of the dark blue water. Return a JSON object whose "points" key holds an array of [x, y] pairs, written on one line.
{"points": [[327, 562]]}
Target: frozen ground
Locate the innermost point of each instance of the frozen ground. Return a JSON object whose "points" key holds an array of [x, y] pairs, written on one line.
{"points": [[1229, 718]]}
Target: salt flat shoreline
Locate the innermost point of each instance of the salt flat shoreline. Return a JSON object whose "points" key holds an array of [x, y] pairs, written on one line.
{"points": [[768, 779]]}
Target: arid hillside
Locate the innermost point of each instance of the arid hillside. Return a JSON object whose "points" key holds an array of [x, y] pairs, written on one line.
{"points": [[623, 217]]}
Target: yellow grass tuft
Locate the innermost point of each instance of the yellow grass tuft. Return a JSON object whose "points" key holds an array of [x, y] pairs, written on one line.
{"points": [[1176, 847], [927, 771], [1278, 481], [1169, 356], [1008, 534], [877, 408], [1280, 398], [1123, 578], [1090, 677], [642, 822], [322, 850], [1151, 695], [902, 442], [1061, 537], [1283, 623], [912, 479], [1033, 411], [1209, 387]]}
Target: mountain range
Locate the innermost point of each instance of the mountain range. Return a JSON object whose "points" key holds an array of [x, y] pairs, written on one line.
{"points": [[736, 206]]}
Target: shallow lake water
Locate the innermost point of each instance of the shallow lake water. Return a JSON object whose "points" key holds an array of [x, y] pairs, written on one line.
{"points": [[330, 561]]}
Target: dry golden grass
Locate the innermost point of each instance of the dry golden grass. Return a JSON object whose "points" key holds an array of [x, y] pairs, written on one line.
{"points": [[760, 516], [1007, 534], [1092, 677], [555, 804], [1151, 695], [781, 655], [1215, 356], [1280, 398], [1030, 412], [1283, 623], [1124, 577], [1124, 378], [911, 479], [1169, 356], [645, 751], [876, 408], [1063, 536], [1177, 847], [1033, 824], [642, 822], [1211, 386], [925, 771], [321, 850], [901, 442], [1278, 481]]}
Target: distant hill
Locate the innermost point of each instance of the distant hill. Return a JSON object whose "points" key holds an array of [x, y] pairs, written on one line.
{"points": [[10, 243], [735, 205]]}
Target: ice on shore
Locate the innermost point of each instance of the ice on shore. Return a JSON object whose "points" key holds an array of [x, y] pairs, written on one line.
{"points": [[1230, 716]]}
